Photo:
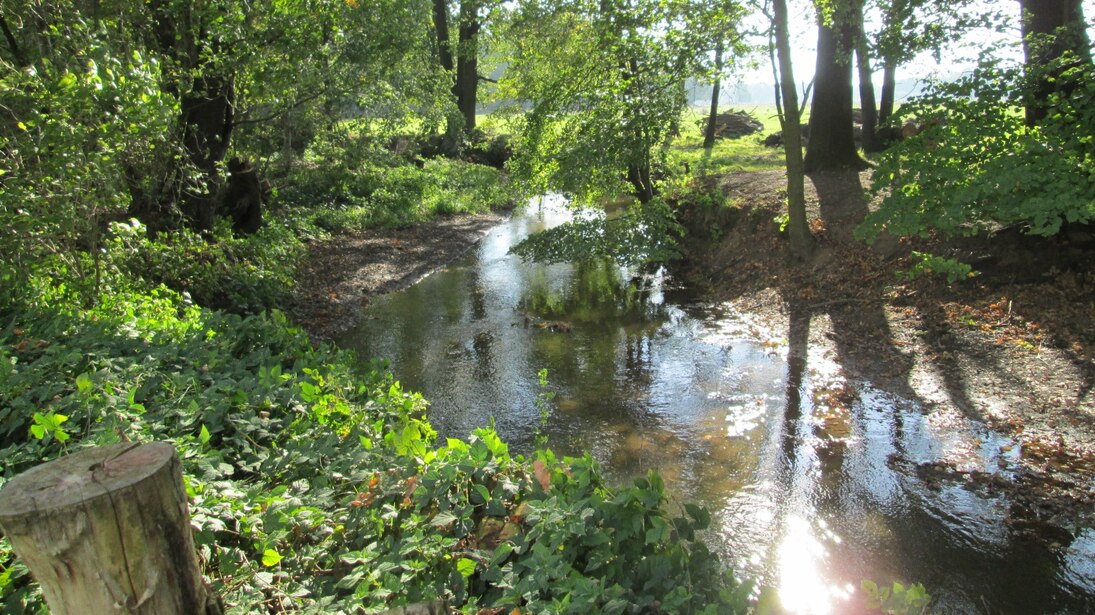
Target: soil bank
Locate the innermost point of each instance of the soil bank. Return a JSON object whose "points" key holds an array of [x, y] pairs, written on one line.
{"points": [[340, 274], [1013, 347]]}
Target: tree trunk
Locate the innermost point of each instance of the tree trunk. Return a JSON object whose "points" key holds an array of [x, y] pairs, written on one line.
{"points": [[832, 142], [712, 117], [639, 177], [13, 45], [638, 170], [106, 530], [450, 144], [206, 111], [441, 30], [1051, 28], [797, 227], [467, 62], [867, 105], [889, 85]]}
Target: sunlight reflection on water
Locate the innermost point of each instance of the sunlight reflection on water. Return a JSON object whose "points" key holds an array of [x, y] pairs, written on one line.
{"points": [[803, 587]]}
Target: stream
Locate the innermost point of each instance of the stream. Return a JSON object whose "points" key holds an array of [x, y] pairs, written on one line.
{"points": [[810, 478]]}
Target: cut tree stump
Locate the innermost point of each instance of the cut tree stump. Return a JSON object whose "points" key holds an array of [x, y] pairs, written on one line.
{"points": [[106, 530]]}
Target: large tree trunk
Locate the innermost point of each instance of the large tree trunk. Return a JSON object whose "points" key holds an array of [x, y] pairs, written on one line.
{"points": [[712, 117], [1051, 28], [869, 109], [206, 117], [832, 141], [895, 23], [797, 227], [450, 144], [467, 62], [441, 30]]}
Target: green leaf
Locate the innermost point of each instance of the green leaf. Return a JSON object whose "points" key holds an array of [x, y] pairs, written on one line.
{"points": [[699, 514], [482, 492], [83, 382], [465, 566], [204, 436], [616, 605], [443, 519], [271, 557]]}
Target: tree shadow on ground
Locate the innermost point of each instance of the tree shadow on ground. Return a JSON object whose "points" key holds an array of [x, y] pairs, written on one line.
{"points": [[861, 314]]}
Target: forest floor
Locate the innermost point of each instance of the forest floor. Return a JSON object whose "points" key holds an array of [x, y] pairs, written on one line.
{"points": [[341, 274], [1013, 348]]}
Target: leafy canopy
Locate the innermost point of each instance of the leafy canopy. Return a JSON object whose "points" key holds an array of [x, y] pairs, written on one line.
{"points": [[599, 88], [980, 167]]}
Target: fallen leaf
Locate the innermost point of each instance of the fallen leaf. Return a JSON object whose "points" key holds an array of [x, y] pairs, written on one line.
{"points": [[542, 474]]}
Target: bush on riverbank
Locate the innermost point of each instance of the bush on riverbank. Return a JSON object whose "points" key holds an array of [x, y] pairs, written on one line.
{"points": [[348, 182], [341, 187]]}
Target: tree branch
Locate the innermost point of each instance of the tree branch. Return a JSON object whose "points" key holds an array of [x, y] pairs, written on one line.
{"points": [[274, 116], [16, 52]]}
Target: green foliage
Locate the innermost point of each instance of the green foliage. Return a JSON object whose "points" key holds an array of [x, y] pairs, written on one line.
{"points": [[601, 89], [544, 398], [911, 27], [317, 487], [246, 274], [49, 425], [350, 183], [932, 264], [300, 68], [897, 599], [75, 127], [979, 167], [643, 233]]}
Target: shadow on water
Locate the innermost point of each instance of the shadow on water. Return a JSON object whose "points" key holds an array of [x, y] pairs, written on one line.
{"points": [[812, 479]]}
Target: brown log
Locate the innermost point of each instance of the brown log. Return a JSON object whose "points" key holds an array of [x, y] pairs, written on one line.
{"points": [[106, 530]]}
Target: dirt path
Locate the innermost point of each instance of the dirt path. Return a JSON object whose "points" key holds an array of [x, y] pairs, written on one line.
{"points": [[342, 273], [1013, 348]]}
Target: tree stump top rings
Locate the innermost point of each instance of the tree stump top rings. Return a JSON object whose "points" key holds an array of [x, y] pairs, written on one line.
{"points": [[83, 475]]}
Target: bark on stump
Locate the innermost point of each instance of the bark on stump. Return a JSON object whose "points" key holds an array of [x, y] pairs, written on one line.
{"points": [[106, 530]]}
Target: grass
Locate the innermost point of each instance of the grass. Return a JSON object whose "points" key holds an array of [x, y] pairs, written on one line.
{"points": [[347, 181], [741, 154]]}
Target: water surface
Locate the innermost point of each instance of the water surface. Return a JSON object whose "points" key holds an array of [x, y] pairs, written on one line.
{"points": [[811, 479]]}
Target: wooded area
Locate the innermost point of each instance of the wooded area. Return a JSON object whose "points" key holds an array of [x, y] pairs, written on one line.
{"points": [[165, 167]]}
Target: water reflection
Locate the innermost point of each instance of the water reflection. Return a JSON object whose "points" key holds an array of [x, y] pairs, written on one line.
{"points": [[812, 480]]}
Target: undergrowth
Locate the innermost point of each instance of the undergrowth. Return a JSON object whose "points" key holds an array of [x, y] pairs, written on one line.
{"points": [[349, 183]]}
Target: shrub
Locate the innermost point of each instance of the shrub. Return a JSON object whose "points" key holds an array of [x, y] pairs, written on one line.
{"points": [[979, 167], [244, 274]]}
